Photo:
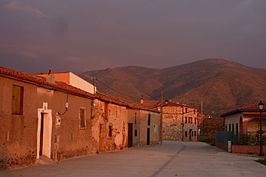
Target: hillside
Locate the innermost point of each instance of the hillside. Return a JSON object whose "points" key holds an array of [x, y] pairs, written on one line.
{"points": [[216, 83]]}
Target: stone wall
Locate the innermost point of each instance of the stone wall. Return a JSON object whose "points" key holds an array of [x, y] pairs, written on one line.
{"points": [[179, 123], [109, 126]]}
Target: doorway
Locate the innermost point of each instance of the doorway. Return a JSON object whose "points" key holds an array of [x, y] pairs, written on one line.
{"points": [[190, 134], [148, 136], [102, 134], [44, 134], [130, 134]]}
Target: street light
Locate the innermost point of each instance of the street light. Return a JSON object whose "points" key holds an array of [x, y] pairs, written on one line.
{"points": [[260, 105]]}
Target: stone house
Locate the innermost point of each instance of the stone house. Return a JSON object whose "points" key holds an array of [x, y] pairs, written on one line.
{"points": [[109, 123], [179, 121], [244, 120], [143, 126], [42, 118]]}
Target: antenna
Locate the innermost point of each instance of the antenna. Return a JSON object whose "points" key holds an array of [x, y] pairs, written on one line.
{"points": [[201, 107]]}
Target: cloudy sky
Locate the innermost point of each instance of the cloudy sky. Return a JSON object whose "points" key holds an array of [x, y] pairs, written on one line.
{"points": [[80, 35]]}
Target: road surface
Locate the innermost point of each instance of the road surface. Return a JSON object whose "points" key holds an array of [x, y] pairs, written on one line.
{"points": [[171, 159]]}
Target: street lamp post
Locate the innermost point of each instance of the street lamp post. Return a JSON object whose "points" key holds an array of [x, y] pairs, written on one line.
{"points": [[260, 105]]}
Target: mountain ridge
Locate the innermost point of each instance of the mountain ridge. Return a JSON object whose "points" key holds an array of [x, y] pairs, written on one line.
{"points": [[218, 84]]}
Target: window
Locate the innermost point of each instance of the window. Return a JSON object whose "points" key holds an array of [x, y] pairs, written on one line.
{"points": [[82, 119], [136, 132], [17, 99], [233, 128], [236, 129], [195, 120], [229, 127], [185, 119], [110, 131], [195, 133], [185, 133], [149, 119]]}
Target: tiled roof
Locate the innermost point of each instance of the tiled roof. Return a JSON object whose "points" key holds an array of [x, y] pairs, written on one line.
{"points": [[151, 103], [122, 102], [246, 108], [41, 81], [155, 103], [108, 98]]}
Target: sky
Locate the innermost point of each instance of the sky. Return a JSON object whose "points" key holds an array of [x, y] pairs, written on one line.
{"points": [[82, 35]]}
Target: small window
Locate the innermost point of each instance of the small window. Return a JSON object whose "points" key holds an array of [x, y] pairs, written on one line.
{"points": [[82, 118], [17, 99], [195, 120], [233, 128], [136, 132], [185, 119], [186, 110], [149, 119], [229, 127], [110, 132], [185, 133]]}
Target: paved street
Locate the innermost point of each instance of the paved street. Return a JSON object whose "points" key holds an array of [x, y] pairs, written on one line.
{"points": [[168, 160]]}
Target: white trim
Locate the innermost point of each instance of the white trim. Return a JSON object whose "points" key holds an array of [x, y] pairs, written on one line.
{"points": [[49, 113]]}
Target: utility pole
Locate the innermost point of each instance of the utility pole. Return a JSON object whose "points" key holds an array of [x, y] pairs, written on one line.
{"points": [[161, 121], [182, 124]]}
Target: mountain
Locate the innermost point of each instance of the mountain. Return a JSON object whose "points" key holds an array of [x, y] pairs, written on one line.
{"points": [[216, 85]]}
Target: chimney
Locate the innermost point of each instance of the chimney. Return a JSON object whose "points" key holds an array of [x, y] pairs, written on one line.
{"points": [[141, 100], [50, 77]]}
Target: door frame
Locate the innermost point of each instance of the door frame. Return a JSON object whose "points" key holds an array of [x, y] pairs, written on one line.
{"points": [[49, 116], [148, 136], [130, 135]]}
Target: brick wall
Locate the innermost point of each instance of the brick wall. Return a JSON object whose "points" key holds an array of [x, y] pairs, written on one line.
{"points": [[247, 149]]}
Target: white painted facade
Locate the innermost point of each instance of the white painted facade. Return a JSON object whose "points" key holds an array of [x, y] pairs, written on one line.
{"points": [[80, 83], [232, 123], [71, 79]]}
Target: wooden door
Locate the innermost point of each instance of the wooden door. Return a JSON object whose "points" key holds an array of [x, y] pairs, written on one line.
{"points": [[130, 134]]}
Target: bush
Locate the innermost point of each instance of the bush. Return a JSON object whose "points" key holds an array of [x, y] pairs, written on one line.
{"points": [[206, 139], [262, 161]]}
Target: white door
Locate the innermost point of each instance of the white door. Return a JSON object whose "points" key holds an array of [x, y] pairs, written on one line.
{"points": [[44, 135]]}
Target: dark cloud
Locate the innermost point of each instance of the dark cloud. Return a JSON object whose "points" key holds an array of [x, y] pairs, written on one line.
{"points": [[80, 35]]}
